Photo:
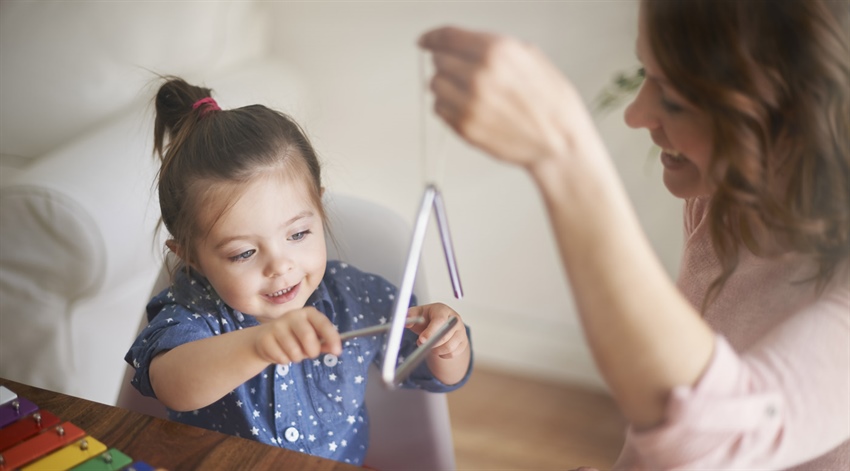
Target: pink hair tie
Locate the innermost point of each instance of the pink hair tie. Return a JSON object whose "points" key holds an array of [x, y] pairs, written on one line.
{"points": [[208, 105]]}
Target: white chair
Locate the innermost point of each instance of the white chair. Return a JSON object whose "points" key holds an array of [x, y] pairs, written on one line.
{"points": [[410, 428]]}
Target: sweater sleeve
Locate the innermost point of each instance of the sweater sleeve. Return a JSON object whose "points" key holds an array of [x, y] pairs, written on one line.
{"points": [[780, 403]]}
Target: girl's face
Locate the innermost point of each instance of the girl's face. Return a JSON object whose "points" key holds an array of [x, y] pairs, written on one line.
{"points": [[266, 254], [682, 131]]}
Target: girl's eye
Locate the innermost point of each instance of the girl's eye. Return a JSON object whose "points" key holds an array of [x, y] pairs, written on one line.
{"points": [[243, 256], [299, 235]]}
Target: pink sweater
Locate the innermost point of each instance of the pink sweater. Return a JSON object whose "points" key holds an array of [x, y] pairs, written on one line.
{"points": [[776, 394]]}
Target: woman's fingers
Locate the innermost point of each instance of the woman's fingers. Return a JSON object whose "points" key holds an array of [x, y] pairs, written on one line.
{"points": [[456, 41], [500, 94]]}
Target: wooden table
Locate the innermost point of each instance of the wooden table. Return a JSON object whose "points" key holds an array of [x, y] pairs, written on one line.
{"points": [[166, 444]]}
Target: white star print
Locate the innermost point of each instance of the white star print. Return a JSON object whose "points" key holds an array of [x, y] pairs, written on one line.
{"points": [[350, 419], [277, 414], [238, 403], [311, 437], [358, 379], [255, 431], [256, 414], [332, 377]]}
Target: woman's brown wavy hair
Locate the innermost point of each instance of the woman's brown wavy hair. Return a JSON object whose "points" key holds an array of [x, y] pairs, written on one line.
{"points": [[774, 76]]}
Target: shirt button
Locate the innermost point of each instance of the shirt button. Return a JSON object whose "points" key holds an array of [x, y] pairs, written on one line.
{"points": [[330, 360], [282, 369], [291, 434]]}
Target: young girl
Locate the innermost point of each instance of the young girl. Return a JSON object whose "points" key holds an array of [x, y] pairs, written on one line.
{"points": [[246, 340], [743, 363]]}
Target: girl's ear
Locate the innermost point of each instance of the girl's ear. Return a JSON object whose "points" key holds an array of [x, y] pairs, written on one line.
{"points": [[174, 248], [178, 250]]}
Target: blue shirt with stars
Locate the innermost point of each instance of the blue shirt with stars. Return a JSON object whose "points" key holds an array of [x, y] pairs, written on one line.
{"points": [[316, 406]]}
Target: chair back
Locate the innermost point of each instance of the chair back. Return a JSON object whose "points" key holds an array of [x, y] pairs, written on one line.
{"points": [[410, 429]]}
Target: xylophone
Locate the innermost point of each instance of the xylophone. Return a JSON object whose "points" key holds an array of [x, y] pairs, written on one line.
{"points": [[35, 439]]}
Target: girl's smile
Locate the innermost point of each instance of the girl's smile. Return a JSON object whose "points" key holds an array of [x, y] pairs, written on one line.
{"points": [[285, 295]]}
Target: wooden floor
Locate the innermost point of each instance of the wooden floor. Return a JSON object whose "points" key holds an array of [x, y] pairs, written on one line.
{"points": [[503, 422]]}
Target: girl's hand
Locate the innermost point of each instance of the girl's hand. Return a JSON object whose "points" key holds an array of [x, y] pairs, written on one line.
{"points": [[453, 344], [502, 95], [298, 335]]}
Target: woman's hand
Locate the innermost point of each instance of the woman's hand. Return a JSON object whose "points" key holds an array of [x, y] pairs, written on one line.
{"points": [[300, 334], [449, 357], [502, 95]]}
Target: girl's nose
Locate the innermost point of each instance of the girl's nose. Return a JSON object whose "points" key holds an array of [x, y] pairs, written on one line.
{"points": [[277, 266], [640, 113]]}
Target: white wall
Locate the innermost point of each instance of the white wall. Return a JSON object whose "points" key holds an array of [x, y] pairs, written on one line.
{"points": [[366, 119], [68, 67]]}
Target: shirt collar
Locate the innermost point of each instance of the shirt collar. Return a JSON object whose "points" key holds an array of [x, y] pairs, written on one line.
{"points": [[321, 300]]}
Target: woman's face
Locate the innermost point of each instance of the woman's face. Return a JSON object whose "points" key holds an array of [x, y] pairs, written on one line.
{"points": [[682, 131]]}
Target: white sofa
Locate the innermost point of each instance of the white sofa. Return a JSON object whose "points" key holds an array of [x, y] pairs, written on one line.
{"points": [[78, 255]]}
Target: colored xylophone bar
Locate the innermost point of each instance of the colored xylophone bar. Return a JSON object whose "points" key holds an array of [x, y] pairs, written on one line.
{"points": [[35, 439]]}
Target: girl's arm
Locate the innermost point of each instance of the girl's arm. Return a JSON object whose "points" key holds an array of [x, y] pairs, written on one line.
{"points": [[449, 358], [198, 373], [506, 98]]}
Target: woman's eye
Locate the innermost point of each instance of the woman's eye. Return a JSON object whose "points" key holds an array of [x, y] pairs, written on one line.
{"points": [[670, 106], [299, 235], [243, 256]]}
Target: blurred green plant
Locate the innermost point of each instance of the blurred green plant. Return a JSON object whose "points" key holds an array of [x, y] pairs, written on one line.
{"points": [[621, 88]]}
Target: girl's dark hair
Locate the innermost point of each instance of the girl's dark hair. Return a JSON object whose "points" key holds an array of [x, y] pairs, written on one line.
{"points": [[774, 77], [200, 146]]}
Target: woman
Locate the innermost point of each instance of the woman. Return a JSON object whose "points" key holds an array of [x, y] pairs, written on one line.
{"points": [[745, 361]]}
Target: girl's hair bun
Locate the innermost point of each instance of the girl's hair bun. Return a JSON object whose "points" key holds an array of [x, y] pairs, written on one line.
{"points": [[174, 109]]}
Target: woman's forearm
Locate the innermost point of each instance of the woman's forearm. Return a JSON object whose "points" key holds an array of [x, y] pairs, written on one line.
{"points": [[644, 336], [198, 373]]}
